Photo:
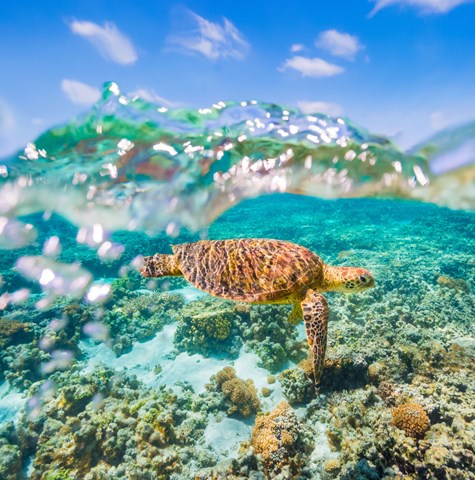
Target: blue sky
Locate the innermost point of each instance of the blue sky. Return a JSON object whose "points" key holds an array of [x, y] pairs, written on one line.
{"points": [[404, 68]]}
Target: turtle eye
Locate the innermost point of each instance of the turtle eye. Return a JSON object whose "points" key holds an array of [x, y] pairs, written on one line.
{"points": [[363, 279]]}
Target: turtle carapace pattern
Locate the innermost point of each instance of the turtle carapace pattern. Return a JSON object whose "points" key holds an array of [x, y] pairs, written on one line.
{"points": [[257, 270]]}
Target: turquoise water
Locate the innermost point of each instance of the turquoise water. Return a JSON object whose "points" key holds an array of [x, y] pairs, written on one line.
{"points": [[105, 374]]}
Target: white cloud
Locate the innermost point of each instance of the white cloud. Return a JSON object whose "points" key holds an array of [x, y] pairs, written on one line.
{"points": [[152, 97], [7, 118], [339, 44], [312, 67], [328, 108], [209, 39], [38, 121], [438, 120], [110, 42], [297, 47], [9, 131], [80, 93], [425, 6]]}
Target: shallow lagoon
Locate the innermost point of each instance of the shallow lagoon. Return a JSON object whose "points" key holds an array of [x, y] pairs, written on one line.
{"points": [[132, 400]]}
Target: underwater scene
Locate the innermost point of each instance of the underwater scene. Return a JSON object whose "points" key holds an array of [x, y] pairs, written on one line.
{"points": [[117, 363]]}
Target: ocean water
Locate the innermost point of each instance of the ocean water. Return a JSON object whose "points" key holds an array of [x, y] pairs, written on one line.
{"points": [[105, 374]]}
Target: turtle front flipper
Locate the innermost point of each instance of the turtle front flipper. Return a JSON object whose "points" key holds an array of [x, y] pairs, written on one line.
{"points": [[315, 316], [295, 315]]}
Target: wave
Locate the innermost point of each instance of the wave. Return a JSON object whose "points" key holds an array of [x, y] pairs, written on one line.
{"points": [[130, 164]]}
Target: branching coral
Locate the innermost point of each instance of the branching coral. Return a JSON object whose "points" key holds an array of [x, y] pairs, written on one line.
{"points": [[332, 466], [411, 418], [241, 394]]}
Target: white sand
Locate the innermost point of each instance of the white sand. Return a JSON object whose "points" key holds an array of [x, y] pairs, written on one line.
{"points": [[224, 437], [11, 402]]}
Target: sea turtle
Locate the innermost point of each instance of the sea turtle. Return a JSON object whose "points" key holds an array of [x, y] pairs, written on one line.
{"points": [[259, 270]]}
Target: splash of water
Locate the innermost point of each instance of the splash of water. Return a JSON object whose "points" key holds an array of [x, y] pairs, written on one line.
{"points": [[129, 164]]}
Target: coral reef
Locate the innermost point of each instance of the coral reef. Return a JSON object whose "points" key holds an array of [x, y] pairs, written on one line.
{"points": [[22, 364], [12, 335], [332, 466], [277, 438], [411, 418], [361, 424], [408, 340], [10, 453], [273, 337], [210, 326], [242, 395], [454, 283], [138, 316], [13, 332], [105, 425], [297, 385]]}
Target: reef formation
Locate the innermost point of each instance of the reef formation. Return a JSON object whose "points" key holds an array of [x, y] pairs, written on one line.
{"points": [[154, 384]]}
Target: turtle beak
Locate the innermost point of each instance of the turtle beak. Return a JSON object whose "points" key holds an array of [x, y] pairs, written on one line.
{"points": [[367, 280], [370, 282]]}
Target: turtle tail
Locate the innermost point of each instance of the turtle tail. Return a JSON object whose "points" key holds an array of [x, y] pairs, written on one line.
{"points": [[160, 265]]}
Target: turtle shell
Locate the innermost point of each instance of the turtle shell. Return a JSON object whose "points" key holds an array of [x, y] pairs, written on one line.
{"points": [[249, 270]]}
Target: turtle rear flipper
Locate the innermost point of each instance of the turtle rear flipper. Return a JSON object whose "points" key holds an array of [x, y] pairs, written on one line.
{"points": [[160, 265], [315, 316]]}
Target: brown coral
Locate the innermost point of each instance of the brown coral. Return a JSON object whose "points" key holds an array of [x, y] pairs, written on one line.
{"points": [[453, 283], [375, 372], [12, 332], [387, 391], [242, 308], [242, 394], [332, 466], [411, 418], [276, 437], [266, 392]]}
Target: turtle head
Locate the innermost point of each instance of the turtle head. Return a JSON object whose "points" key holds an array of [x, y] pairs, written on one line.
{"points": [[348, 279]]}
